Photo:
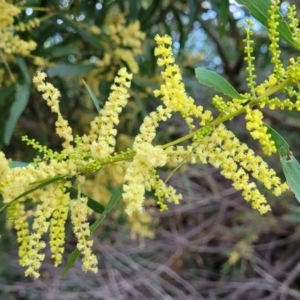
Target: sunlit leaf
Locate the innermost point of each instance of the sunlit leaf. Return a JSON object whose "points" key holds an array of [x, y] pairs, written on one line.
{"points": [[282, 146], [259, 10], [217, 82], [291, 170]]}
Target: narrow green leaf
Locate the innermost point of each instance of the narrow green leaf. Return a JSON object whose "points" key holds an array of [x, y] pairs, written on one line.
{"points": [[146, 15], [217, 82], [45, 181], [21, 100], [93, 96], [223, 15], [58, 51], [111, 203], [24, 69], [114, 199], [282, 146], [193, 6], [291, 170], [7, 92], [64, 70], [93, 204], [2, 204], [134, 8], [39, 186], [71, 261], [292, 217], [180, 28], [94, 226], [259, 10], [91, 39]]}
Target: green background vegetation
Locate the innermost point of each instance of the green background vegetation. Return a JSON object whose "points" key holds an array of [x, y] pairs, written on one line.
{"points": [[212, 245]]}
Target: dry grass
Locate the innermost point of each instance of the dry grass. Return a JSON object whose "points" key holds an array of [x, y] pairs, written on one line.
{"points": [[188, 259]]}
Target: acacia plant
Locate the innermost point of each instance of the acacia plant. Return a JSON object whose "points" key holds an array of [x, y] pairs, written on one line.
{"points": [[42, 193]]}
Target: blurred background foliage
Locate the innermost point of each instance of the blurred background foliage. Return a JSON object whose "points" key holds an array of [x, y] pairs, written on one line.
{"points": [[212, 245]]}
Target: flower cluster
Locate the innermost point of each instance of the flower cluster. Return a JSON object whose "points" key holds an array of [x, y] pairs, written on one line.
{"points": [[223, 150], [280, 80], [267, 84], [51, 95], [11, 43], [248, 49], [81, 229], [48, 181], [123, 43], [220, 104], [102, 134], [258, 131], [140, 175], [4, 169], [172, 92], [228, 107], [273, 22], [98, 186], [32, 258], [35, 22], [293, 22], [53, 202]]}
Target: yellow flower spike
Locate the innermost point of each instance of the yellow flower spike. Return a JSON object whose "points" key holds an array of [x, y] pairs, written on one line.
{"points": [[220, 104], [32, 257], [11, 43], [51, 95], [102, 134], [258, 131], [57, 226], [273, 34], [173, 93], [223, 150], [161, 40], [293, 22], [79, 212], [248, 49], [138, 173], [163, 191], [293, 71], [4, 169], [128, 57], [23, 234], [124, 42], [217, 145]]}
